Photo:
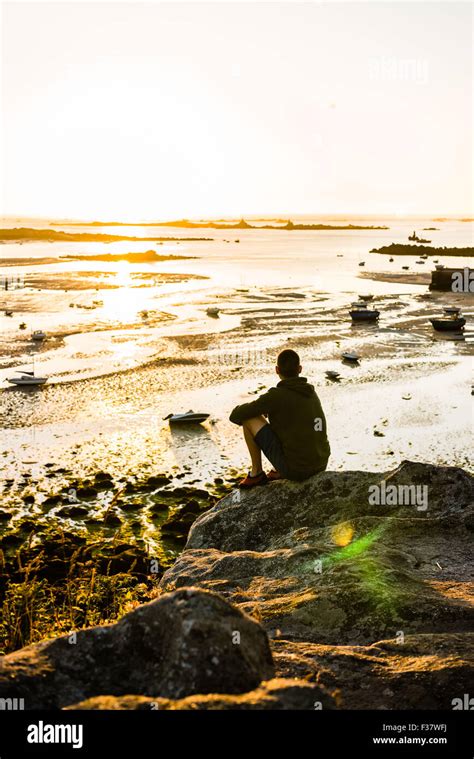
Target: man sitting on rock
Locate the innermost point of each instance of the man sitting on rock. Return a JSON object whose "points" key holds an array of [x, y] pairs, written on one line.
{"points": [[287, 423]]}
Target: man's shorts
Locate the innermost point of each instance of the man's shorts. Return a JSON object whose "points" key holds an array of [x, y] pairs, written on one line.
{"points": [[269, 443]]}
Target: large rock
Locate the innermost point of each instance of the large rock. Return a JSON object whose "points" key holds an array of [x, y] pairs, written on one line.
{"points": [[187, 642], [321, 564]]}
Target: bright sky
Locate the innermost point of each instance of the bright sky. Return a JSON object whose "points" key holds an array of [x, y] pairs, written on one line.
{"points": [[165, 110]]}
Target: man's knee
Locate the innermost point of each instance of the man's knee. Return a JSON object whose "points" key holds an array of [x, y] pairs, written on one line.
{"points": [[255, 424]]}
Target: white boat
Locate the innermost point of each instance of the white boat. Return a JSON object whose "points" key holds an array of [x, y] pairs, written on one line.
{"points": [[27, 378], [38, 334], [350, 356], [190, 417], [212, 311]]}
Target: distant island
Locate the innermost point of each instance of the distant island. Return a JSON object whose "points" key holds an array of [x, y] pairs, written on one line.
{"points": [[446, 218], [242, 224], [52, 235], [149, 256], [400, 249]]}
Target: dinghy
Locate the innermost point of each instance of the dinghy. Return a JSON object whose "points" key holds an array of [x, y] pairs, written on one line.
{"points": [[332, 375], [190, 417], [448, 325], [212, 311], [364, 315], [350, 356]]}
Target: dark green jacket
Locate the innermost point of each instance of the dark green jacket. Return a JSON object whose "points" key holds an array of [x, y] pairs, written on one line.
{"points": [[293, 410]]}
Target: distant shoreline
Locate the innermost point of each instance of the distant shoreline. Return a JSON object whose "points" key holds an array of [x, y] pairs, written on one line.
{"points": [[26, 234], [242, 224]]}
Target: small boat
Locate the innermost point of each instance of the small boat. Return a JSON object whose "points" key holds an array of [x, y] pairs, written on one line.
{"points": [[27, 378], [8, 313], [340, 255], [358, 304], [23, 325], [362, 263], [391, 260], [448, 325], [350, 356], [452, 310], [212, 311], [144, 314], [405, 267], [420, 239], [190, 417], [38, 334], [438, 267], [435, 260], [332, 375], [364, 315], [366, 297], [419, 262]]}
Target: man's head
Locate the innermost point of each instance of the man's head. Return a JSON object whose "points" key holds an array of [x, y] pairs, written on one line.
{"points": [[288, 364]]}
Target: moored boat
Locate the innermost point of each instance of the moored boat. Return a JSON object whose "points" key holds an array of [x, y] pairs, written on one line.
{"points": [[364, 315], [190, 417], [27, 378], [39, 335], [350, 356], [448, 325]]}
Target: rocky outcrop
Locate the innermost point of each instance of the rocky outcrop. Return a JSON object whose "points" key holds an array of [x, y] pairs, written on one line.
{"points": [[344, 583], [187, 642], [349, 590]]}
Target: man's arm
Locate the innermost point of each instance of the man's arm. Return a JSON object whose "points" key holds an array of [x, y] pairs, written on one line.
{"points": [[261, 405]]}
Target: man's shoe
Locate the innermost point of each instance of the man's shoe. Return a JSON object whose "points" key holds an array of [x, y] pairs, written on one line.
{"points": [[251, 482], [274, 475]]}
